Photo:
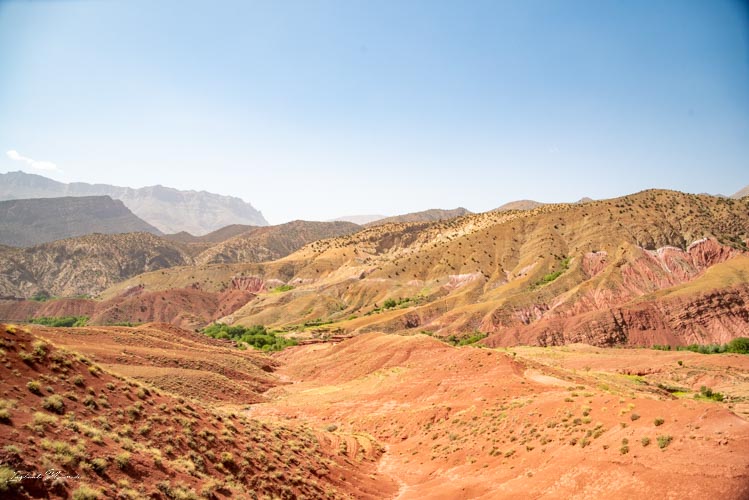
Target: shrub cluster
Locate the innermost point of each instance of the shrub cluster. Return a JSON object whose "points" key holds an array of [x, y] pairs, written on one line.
{"points": [[64, 321], [739, 345], [255, 336]]}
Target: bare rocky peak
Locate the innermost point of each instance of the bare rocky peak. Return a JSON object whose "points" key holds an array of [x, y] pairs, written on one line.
{"points": [[168, 209], [741, 193]]}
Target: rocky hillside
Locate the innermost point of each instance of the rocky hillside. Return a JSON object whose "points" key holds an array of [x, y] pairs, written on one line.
{"points": [[89, 264], [273, 242], [434, 214], [30, 222], [85, 265], [168, 209], [216, 236], [111, 436], [521, 276]]}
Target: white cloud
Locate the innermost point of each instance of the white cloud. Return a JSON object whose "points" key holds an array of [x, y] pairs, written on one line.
{"points": [[47, 166]]}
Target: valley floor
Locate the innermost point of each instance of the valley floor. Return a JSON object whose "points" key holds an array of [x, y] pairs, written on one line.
{"points": [[411, 417], [566, 422]]}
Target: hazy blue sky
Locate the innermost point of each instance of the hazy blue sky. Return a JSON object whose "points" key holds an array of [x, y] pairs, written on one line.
{"points": [[316, 109]]}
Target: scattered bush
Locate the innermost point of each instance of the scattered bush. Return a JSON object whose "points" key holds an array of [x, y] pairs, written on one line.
{"points": [[43, 419], [634, 417], [664, 441], [7, 484], [85, 492], [54, 403], [645, 441], [99, 465], [658, 421], [122, 460], [40, 349], [35, 387]]}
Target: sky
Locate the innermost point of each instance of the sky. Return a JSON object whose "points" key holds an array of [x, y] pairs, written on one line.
{"points": [[319, 109]]}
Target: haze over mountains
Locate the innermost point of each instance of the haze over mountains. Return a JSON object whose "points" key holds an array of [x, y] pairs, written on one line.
{"points": [[168, 209], [33, 221]]}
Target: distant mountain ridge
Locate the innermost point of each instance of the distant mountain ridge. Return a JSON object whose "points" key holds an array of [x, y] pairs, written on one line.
{"points": [[273, 242], [168, 209], [741, 193], [34, 221], [86, 265], [432, 215], [359, 219]]}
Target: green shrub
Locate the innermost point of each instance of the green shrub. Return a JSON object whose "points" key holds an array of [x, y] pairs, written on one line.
{"points": [[564, 265], [64, 321], [634, 417], [469, 340], [256, 336], [707, 393], [41, 296], [739, 345], [645, 441], [658, 421], [664, 441]]}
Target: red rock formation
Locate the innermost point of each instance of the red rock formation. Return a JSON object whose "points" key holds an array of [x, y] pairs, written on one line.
{"points": [[710, 317], [248, 283]]}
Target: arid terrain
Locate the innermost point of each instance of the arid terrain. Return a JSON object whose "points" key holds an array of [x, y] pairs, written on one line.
{"points": [[165, 413], [518, 353]]}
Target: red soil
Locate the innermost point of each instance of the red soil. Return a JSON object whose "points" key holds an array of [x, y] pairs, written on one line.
{"points": [[477, 423]]}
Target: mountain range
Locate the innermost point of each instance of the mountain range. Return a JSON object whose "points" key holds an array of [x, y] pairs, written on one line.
{"points": [[33, 221], [168, 209], [160, 389], [595, 272]]}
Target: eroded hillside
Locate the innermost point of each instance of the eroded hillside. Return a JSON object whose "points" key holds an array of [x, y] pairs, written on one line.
{"points": [[555, 274], [110, 436]]}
